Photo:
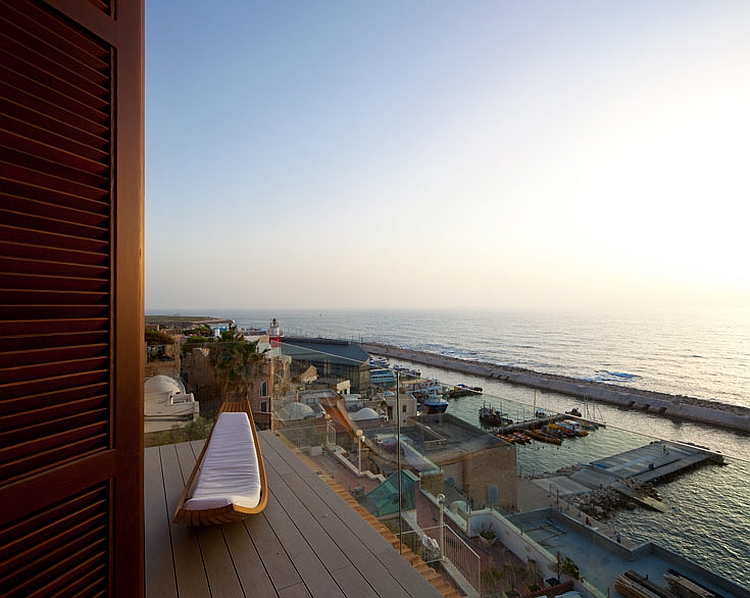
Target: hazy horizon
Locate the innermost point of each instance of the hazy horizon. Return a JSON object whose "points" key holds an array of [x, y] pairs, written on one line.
{"points": [[430, 155]]}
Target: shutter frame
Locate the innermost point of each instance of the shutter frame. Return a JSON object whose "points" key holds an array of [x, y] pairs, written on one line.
{"points": [[71, 294]]}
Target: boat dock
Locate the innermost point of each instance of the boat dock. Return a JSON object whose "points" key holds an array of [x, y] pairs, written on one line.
{"points": [[627, 471], [655, 461]]}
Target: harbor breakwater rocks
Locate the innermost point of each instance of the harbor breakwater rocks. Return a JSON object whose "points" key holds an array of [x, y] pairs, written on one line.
{"points": [[733, 417]]}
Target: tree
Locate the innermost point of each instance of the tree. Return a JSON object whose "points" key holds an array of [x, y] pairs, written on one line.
{"points": [[156, 337], [491, 579], [237, 365], [566, 566]]}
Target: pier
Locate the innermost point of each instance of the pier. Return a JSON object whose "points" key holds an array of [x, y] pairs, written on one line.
{"points": [[627, 472], [734, 417]]}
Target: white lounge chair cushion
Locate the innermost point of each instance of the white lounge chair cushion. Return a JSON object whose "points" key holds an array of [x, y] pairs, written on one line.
{"points": [[229, 474]]}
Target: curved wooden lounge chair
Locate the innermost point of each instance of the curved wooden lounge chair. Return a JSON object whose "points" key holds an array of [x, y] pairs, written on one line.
{"points": [[228, 482]]}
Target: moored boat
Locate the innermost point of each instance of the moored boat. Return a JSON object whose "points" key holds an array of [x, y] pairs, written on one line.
{"points": [[574, 427], [543, 437], [463, 390], [435, 405], [489, 416]]}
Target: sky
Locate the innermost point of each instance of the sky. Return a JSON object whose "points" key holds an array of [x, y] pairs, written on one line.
{"points": [[447, 154]]}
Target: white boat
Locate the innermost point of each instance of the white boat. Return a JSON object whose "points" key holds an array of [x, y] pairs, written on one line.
{"points": [[435, 405]]}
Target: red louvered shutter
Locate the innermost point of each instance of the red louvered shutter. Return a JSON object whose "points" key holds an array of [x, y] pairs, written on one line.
{"points": [[71, 193]]}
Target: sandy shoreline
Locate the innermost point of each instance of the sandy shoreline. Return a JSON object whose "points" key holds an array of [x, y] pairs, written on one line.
{"points": [[734, 417]]}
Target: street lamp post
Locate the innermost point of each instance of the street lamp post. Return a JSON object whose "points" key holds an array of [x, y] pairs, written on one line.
{"points": [[441, 505], [329, 425], [359, 450]]}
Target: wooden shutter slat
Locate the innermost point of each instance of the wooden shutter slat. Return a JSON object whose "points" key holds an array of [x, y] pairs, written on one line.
{"points": [[68, 119], [50, 451], [43, 238], [14, 265], [55, 368], [36, 196], [46, 57], [36, 89], [60, 227], [36, 182], [43, 163], [53, 384], [27, 414], [50, 354], [24, 120], [34, 326], [94, 336], [36, 540], [25, 312], [44, 25], [60, 574], [54, 284], [27, 62], [64, 255], [51, 427], [28, 549], [60, 151]]}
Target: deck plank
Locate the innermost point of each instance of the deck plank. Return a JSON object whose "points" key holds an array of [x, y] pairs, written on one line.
{"points": [[188, 557], [388, 571], [352, 583], [161, 579], [352, 534], [296, 591], [310, 524], [220, 571], [306, 561], [307, 543], [252, 575], [275, 560]]}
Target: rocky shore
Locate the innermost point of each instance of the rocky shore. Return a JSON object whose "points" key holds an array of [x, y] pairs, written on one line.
{"points": [[733, 417]]}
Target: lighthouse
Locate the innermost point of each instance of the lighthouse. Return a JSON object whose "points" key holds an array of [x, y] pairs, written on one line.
{"points": [[274, 333]]}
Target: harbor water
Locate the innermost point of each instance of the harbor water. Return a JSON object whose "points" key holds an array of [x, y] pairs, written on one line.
{"points": [[703, 355]]}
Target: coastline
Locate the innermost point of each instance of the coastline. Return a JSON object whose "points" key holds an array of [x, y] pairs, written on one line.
{"points": [[733, 417]]}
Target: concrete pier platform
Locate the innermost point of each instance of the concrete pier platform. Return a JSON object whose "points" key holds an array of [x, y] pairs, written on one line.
{"points": [[653, 462], [625, 472]]}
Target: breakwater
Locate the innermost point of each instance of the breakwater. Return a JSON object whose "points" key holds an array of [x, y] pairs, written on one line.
{"points": [[732, 417]]}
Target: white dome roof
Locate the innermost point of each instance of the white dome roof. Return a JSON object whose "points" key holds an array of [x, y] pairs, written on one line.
{"points": [[294, 411], [364, 414], [163, 384]]}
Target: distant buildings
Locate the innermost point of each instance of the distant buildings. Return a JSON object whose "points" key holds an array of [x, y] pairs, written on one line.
{"points": [[334, 360]]}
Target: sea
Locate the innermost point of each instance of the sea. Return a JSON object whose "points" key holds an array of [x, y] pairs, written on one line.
{"points": [[698, 353]]}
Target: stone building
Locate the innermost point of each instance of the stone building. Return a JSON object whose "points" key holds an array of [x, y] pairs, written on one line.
{"points": [[478, 464], [335, 360]]}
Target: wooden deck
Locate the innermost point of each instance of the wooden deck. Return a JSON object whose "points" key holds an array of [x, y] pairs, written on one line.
{"points": [[307, 542]]}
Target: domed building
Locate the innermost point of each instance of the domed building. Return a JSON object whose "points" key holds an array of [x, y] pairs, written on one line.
{"points": [[167, 404], [294, 412]]}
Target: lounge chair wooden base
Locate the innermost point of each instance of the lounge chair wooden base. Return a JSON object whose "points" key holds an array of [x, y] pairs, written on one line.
{"points": [[207, 499]]}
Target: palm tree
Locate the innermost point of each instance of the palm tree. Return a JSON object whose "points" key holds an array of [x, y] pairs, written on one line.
{"points": [[237, 364], [566, 566]]}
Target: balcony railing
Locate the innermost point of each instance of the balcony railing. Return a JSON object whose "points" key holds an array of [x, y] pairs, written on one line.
{"points": [[579, 502]]}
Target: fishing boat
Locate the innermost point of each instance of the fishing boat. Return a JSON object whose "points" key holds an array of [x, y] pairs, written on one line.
{"points": [[435, 405], [489, 416], [463, 390], [572, 426], [543, 437]]}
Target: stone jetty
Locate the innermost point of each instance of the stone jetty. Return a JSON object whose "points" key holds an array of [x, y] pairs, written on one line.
{"points": [[714, 413]]}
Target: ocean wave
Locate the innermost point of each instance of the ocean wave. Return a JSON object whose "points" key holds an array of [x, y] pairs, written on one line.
{"points": [[609, 376]]}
